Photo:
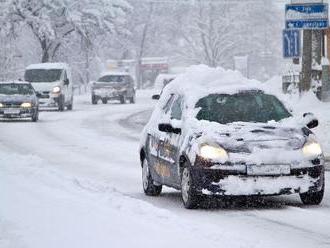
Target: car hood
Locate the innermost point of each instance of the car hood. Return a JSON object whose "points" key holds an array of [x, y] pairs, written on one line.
{"points": [[256, 142], [44, 87], [113, 85], [16, 98]]}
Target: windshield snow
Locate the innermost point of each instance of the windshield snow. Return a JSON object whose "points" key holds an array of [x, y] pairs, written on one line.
{"points": [[112, 79], [43, 75], [16, 89], [242, 107]]}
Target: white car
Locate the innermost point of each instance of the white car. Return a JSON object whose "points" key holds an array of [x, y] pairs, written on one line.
{"points": [[53, 84]]}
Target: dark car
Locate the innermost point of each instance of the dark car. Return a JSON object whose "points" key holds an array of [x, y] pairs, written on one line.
{"points": [[114, 86], [221, 142], [18, 100]]}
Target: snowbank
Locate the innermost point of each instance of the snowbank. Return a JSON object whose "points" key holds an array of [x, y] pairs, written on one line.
{"points": [[45, 207]]}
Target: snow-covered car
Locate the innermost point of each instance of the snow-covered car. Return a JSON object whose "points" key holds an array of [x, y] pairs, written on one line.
{"points": [[207, 138], [18, 100], [113, 86], [53, 83]]}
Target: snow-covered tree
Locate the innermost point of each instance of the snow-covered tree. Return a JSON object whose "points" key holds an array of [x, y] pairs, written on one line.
{"points": [[52, 22]]}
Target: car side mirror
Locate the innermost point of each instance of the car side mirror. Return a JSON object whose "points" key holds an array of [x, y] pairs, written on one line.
{"points": [[168, 128], [310, 120], [155, 97], [66, 81]]}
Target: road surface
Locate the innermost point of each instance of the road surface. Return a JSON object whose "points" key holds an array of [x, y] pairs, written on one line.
{"points": [[74, 180]]}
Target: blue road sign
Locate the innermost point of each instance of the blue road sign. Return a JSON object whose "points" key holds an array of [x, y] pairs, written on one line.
{"points": [[306, 16], [291, 43]]}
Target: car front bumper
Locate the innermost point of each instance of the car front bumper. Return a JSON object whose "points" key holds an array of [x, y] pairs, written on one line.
{"points": [[110, 94], [12, 113], [238, 183], [49, 101]]}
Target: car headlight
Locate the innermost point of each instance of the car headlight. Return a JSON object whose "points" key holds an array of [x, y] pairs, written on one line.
{"points": [[213, 152], [57, 89], [26, 105], [1, 105], [312, 149]]}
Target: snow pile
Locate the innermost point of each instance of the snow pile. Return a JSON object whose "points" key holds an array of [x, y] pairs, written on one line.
{"points": [[234, 185], [201, 80]]}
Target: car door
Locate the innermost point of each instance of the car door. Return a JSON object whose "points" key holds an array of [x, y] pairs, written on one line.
{"points": [[169, 148], [155, 142]]}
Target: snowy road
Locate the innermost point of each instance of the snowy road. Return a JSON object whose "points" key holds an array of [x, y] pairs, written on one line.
{"points": [[73, 180]]}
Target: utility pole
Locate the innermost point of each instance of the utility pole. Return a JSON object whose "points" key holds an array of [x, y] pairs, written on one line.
{"points": [[306, 72]]}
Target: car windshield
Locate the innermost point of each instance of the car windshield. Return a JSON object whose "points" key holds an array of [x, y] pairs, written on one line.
{"points": [[242, 107], [43, 75], [16, 89], [112, 79]]}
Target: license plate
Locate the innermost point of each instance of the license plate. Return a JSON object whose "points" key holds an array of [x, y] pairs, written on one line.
{"points": [[11, 111], [268, 170]]}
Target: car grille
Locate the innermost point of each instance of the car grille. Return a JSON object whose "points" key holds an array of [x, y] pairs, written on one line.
{"points": [[12, 104], [44, 95]]}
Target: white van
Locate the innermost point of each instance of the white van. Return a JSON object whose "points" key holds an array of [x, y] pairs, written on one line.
{"points": [[53, 84]]}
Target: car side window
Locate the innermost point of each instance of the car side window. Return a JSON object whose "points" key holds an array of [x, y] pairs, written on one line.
{"points": [[176, 110], [168, 104]]}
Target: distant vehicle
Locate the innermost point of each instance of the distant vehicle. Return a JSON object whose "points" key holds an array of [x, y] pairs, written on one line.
{"points": [[18, 100], [53, 84], [231, 141], [114, 86], [161, 81]]}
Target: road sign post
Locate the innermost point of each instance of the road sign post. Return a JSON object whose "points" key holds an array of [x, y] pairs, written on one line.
{"points": [[307, 16]]}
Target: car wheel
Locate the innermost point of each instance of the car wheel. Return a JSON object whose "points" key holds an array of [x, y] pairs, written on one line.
{"points": [[104, 101], [61, 104], [149, 187], [314, 198], [70, 106], [122, 99], [94, 100], [132, 100], [189, 196], [35, 117]]}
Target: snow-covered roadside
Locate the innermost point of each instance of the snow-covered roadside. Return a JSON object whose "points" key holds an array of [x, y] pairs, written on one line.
{"points": [[51, 209]]}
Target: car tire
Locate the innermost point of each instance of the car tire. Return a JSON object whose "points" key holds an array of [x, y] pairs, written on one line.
{"points": [[94, 100], [35, 117], [189, 196], [61, 105], [70, 106], [312, 198], [148, 184], [132, 100], [104, 101], [122, 99]]}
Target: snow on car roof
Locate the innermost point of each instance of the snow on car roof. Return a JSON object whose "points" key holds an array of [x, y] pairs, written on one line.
{"points": [[159, 82], [14, 82], [48, 66], [200, 80]]}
